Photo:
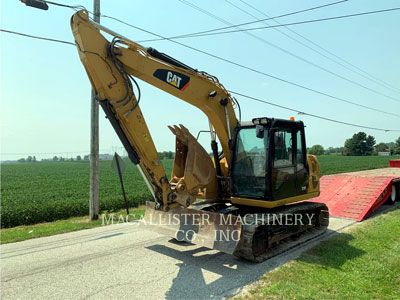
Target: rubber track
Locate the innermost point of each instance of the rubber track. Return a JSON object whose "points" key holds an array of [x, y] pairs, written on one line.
{"points": [[284, 237]]}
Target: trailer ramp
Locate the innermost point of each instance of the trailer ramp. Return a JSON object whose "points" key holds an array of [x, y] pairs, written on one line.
{"points": [[356, 195]]}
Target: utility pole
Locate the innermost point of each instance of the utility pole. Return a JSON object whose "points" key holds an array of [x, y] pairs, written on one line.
{"points": [[94, 141]]}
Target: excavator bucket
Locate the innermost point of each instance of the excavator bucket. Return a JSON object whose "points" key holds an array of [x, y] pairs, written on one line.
{"points": [[192, 163], [208, 229]]}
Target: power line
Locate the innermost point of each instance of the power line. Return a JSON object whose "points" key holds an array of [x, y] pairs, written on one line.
{"points": [[220, 58], [70, 43], [307, 46], [38, 37], [288, 52], [311, 115], [233, 92], [359, 72], [256, 99], [258, 21], [237, 25], [366, 107], [211, 32], [254, 70], [268, 18], [374, 79], [301, 22]]}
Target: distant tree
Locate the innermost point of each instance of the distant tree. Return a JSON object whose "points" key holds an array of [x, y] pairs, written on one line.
{"points": [[316, 150], [359, 145], [330, 150], [396, 149], [78, 157], [334, 150], [390, 146], [381, 147], [370, 143], [55, 158], [166, 155], [34, 159], [61, 158], [21, 160], [29, 159], [86, 157]]}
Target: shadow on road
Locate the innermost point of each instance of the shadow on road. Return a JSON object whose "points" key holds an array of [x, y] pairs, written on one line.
{"points": [[204, 274], [207, 274]]}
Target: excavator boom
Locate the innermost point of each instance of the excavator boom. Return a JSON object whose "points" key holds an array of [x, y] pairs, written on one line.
{"points": [[110, 67]]}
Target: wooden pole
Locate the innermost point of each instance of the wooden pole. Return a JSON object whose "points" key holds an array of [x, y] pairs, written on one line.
{"points": [[94, 141]]}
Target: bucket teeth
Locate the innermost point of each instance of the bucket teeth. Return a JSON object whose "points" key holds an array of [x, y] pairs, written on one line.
{"points": [[182, 133]]}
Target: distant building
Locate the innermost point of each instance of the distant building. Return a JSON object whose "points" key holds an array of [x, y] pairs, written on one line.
{"points": [[105, 157], [8, 161], [383, 153]]}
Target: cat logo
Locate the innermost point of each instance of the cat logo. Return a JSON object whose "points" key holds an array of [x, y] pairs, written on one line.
{"points": [[177, 80]]}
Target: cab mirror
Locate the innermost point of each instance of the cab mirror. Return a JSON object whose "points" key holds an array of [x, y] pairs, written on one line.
{"points": [[260, 131]]}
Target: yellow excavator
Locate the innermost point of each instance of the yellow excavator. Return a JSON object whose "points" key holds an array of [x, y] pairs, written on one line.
{"points": [[242, 199]]}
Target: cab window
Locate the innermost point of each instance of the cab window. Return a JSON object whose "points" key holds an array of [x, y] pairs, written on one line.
{"points": [[299, 153], [283, 141], [283, 181], [249, 164]]}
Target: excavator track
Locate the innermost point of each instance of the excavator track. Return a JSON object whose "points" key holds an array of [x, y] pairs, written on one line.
{"points": [[261, 241]]}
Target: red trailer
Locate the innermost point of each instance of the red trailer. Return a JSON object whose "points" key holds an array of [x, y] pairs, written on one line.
{"points": [[356, 195]]}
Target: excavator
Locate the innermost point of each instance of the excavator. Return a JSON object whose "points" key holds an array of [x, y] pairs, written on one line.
{"points": [[246, 197]]}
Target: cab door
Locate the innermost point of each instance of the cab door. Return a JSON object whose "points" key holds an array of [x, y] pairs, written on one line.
{"points": [[282, 160], [289, 172], [301, 169]]}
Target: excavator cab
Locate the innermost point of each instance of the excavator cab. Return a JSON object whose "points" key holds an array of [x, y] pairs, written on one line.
{"points": [[268, 160]]}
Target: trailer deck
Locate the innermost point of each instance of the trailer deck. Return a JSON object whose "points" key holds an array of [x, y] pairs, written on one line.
{"points": [[356, 195]]}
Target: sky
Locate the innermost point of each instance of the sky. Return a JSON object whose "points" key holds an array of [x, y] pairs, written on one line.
{"points": [[45, 92]]}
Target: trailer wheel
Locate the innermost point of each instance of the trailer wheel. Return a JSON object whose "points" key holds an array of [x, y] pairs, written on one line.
{"points": [[394, 196]]}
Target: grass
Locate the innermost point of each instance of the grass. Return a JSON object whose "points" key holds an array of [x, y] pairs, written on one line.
{"points": [[24, 232], [362, 263], [333, 164]]}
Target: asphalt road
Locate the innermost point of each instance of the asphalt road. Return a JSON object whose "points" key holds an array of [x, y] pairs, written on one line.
{"points": [[127, 262]]}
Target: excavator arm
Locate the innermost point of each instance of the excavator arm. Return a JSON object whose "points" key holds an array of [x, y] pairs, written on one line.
{"points": [[111, 66]]}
